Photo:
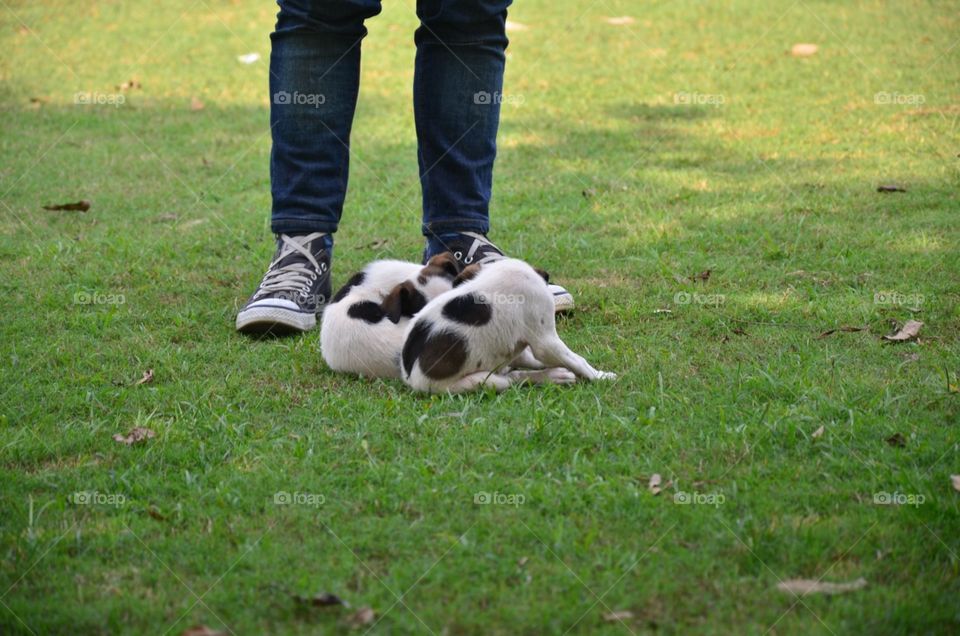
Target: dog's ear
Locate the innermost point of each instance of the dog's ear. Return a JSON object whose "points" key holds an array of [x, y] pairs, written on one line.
{"points": [[543, 274], [468, 273], [446, 263], [403, 300]]}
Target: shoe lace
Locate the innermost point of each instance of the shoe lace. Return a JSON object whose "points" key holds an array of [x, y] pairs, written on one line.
{"points": [[488, 252], [295, 276]]}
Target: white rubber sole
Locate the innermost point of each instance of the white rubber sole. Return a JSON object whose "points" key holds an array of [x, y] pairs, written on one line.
{"points": [[562, 299], [274, 320]]}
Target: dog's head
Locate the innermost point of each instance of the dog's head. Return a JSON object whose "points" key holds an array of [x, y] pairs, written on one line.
{"points": [[403, 301], [438, 274]]}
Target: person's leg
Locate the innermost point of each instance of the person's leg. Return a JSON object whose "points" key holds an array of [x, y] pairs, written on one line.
{"points": [[458, 81], [457, 91], [314, 80]]}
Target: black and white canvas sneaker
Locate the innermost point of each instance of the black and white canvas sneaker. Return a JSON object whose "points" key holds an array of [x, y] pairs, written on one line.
{"points": [[294, 289], [472, 247]]}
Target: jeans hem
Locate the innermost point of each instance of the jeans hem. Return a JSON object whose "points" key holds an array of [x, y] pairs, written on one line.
{"points": [[301, 226], [437, 228]]}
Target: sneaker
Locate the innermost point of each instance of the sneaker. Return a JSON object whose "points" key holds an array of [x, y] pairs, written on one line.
{"points": [[472, 247], [294, 289]]}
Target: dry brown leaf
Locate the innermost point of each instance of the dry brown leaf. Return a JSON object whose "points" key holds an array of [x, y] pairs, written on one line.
{"points": [[619, 615], [908, 331], [802, 587], [202, 630], [704, 276], [804, 50], [147, 377], [897, 439], [360, 618], [890, 187], [817, 433], [844, 329], [620, 20], [955, 480], [324, 599], [135, 436], [79, 206], [196, 104], [654, 484]]}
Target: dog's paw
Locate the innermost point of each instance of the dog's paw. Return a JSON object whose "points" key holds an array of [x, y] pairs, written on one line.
{"points": [[560, 375], [605, 375]]}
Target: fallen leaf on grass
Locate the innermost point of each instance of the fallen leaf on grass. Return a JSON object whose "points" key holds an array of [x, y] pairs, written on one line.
{"points": [[79, 206], [155, 513], [955, 480], [363, 616], [817, 433], [202, 630], [373, 245], [324, 599], [897, 439], [844, 329], [804, 50], [196, 104], [516, 26], [147, 377], [135, 436], [909, 331], [704, 276], [802, 587], [654, 484], [620, 20], [619, 615], [890, 188]]}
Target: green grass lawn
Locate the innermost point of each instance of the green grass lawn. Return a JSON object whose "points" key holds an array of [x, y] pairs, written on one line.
{"points": [[632, 157]]}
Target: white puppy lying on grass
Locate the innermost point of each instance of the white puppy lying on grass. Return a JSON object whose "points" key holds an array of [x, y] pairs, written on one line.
{"points": [[463, 339], [363, 326]]}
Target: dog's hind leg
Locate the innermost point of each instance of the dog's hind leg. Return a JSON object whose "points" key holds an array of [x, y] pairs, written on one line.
{"points": [[526, 360], [480, 380], [553, 375], [552, 351]]}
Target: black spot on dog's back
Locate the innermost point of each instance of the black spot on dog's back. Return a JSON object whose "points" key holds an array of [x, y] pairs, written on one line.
{"points": [[354, 280], [468, 309], [366, 310], [443, 355], [414, 344]]}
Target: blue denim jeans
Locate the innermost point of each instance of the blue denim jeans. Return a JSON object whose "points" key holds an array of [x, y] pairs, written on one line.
{"points": [[314, 80]]}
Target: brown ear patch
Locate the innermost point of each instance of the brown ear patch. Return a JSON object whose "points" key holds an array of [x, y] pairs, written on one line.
{"points": [[543, 274], [468, 273], [404, 300], [442, 265]]}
